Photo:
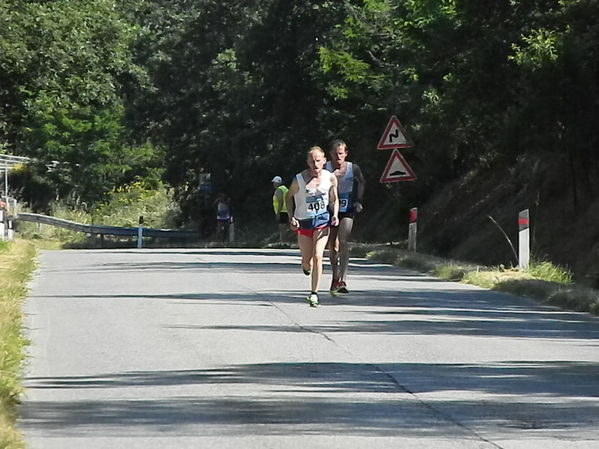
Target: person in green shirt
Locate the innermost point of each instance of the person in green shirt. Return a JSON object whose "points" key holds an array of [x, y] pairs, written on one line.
{"points": [[279, 206]]}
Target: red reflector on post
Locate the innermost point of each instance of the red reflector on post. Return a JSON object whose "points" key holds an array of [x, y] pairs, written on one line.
{"points": [[413, 215], [523, 220]]}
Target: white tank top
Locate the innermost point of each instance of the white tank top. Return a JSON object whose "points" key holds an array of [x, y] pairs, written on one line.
{"points": [[311, 202], [345, 186]]}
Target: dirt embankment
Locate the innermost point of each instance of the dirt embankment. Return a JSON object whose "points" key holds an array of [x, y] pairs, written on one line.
{"points": [[456, 222]]}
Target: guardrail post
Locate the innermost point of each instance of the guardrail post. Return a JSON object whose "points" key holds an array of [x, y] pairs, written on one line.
{"points": [[140, 232]]}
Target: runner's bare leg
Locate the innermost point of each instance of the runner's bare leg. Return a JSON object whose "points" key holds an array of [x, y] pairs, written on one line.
{"points": [[320, 242], [344, 232], [306, 245], [333, 245]]}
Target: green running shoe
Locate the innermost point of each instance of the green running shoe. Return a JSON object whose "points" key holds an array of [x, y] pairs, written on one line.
{"points": [[334, 290], [312, 299]]}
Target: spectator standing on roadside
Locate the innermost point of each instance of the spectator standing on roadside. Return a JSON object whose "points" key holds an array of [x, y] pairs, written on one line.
{"points": [[224, 216], [351, 184], [279, 205]]}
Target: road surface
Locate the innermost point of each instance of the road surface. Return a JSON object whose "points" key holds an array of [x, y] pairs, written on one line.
{"points": [[217, 348]]}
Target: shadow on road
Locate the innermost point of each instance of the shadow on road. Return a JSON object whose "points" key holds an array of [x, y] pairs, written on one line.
{"points": [[403, 312], [350, 398], [314, 397]]}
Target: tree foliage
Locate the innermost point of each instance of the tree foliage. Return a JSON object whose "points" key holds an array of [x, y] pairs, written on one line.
{"points": [[241, 89], [69, 68]]}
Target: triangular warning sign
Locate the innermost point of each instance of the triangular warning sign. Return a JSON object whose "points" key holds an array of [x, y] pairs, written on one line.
{"points": [[397, 169], [394, 136]]}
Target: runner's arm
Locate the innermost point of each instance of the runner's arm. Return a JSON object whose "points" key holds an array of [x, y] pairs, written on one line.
{"points": [[334, 200], [359, 187]]}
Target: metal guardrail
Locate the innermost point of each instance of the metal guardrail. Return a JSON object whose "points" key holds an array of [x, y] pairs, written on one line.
{"points": [[105, 230]]}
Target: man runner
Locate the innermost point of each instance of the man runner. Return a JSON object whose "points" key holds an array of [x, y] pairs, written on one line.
{"points": [[351, 184]]}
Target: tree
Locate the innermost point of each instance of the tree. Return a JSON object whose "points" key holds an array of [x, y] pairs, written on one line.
{"points": [[69, 66], [234, 93]]}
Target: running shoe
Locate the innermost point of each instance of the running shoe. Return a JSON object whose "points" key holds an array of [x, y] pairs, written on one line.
{"points": [[334, 287], [306, 272], [342, 287], [312, 299]]}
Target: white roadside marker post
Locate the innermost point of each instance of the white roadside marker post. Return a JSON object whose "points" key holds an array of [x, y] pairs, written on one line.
{"points": [[10, 233], [523, 240], [413, 229]]}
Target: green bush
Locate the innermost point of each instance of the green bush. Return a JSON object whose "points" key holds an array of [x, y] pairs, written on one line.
{"points": [[125, 205], [451, 272], [385, 255]]}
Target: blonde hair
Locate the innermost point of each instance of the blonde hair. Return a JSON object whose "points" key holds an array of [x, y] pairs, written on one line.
{"points": [[337, 143], [315, 148]]}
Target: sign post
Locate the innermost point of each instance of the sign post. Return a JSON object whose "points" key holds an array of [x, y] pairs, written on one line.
{"points": [[397, 169], [413, 229], [523, 240]]}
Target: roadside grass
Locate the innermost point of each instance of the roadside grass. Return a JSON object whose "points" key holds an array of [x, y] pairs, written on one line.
{"points": [[543, 281], [17, 261]]}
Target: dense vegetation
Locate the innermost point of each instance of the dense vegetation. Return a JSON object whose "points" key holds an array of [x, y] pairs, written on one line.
{"points": [[103, 93]]}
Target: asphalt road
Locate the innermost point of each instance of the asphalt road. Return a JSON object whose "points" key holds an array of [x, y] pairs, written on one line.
{"points": [[217, 348]]}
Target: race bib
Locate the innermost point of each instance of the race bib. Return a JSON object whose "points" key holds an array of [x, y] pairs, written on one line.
{"points": [[344, 201], [315, 205]]}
